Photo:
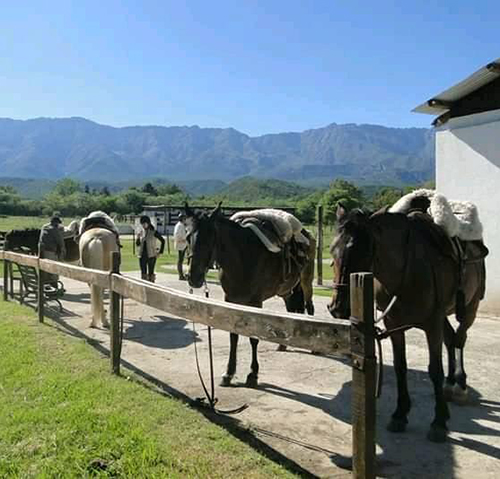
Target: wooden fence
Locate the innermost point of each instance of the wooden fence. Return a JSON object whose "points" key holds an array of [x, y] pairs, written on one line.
{"points": [[326, 335]]}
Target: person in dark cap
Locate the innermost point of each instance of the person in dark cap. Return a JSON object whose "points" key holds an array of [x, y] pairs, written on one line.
{"points": [[51, 244], [148, 252], [180, 243]]}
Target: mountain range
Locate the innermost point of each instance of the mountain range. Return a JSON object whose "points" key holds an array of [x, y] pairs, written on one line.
{"points": [[52, 148]]}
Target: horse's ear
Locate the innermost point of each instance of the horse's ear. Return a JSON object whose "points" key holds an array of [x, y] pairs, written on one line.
{"points": [[381, 211], [341, 211], [189, 211], [216, 211]]}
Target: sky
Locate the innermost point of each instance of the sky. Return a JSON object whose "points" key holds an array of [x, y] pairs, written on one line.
{"points": [[258, 66]]}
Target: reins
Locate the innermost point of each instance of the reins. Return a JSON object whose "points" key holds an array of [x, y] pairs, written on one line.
{"points": [[210, 397]]}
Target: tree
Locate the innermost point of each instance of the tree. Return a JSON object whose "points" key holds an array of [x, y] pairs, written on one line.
{"points": [[105, 191], [66, 187], [87, 190], [149, 189], [386, 196], [340, 191]]}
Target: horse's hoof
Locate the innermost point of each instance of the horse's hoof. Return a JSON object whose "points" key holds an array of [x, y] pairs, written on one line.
{"points": [[448, 392], [437, 434], [105, 325], [281, 347], [226, 380], [251, 381], [93, 326], [460, 395], [396, 425]]}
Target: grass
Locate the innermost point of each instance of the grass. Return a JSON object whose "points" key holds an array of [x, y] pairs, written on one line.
{"points": [[63, 415], [8, 223]]}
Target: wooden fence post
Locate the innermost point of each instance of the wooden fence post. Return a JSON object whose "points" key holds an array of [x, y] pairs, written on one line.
{"points": [[319, 259], [115, 339], [11, 278], [41, 282], [5, 280], [363, 376]]}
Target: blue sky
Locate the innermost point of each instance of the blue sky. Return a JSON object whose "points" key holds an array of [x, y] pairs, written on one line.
{"points": [[260, 67]]}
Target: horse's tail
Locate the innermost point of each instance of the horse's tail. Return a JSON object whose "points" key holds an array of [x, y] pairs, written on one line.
{"points": [[93, 257], [307, 275]]}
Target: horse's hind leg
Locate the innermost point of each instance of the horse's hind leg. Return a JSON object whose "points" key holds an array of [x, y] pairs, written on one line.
{"points": [[460, 388], [438, 430], [252, 378], [231, 365], [399, 418], [449, 341]]}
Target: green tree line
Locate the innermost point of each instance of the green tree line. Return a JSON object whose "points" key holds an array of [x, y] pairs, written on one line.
{"points": [[71, 198]]}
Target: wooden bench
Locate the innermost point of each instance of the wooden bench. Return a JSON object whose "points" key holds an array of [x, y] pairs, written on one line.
{"points": [[29, 277]]}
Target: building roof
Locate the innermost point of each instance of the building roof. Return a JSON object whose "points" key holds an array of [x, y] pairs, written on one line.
{"points": [[442, 103]]}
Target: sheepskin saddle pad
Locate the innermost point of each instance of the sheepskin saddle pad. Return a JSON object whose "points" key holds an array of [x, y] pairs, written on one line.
{"points": [[97, 219], [458, 218], [275, 228]]}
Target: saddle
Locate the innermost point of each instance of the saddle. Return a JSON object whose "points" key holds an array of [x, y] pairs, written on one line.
{"points": [[279, 232], [89, 223], [453, 227]]}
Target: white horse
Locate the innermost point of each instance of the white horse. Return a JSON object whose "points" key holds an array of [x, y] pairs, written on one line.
{"points": [[96, 246]]}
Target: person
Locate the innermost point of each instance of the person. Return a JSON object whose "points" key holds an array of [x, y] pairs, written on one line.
{"points": [[180, 243], [51, 245], [147, 243]]}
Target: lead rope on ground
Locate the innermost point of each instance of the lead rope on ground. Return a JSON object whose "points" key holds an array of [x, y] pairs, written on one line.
{"points": [[210, 397]]}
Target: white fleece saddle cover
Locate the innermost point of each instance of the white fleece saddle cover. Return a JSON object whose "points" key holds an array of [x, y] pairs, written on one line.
{"points": [[98, 218], [457, 218], [285, 225]]}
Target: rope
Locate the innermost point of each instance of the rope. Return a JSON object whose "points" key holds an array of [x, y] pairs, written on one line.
{"points": [[210, 397]]}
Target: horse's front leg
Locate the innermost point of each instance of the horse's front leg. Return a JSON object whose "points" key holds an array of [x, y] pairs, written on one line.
{"points": [[399, 418], [438, 430], [252, 378], [231, 365]]}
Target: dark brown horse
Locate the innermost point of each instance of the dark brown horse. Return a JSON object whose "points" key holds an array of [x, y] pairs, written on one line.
{"points": [[26, 241], [249, 273], [412, 260]]}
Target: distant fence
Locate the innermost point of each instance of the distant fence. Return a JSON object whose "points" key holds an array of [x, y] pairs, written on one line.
{"points": [[165, 217], [325, 335]]}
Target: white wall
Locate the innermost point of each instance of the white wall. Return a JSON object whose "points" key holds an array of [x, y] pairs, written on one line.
{"points": [[468, 168]]}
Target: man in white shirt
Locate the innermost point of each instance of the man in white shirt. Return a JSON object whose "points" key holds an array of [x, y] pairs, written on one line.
{"points": [[180, 243]]}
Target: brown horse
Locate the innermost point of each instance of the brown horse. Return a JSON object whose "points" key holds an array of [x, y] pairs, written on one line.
{"points": [[26, 241], [249, 273], [415, 270]]}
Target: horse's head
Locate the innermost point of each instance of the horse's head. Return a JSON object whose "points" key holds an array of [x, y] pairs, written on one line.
{"points": [[352, 251], [202, 241]]}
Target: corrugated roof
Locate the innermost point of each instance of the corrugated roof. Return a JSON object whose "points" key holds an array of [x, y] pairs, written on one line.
{"points": [[441, 103]]}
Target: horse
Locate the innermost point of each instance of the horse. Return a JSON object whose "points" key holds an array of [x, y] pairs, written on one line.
{"points": [[416, 283], [96, 246], [26, 241], [249, 273]]}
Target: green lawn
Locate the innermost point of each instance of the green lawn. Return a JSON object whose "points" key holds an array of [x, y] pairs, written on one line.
{"points": [[8, 223], [63, 415]]}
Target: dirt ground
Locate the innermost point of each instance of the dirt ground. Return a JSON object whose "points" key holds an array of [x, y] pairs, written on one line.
{"points": [[301, 409]]}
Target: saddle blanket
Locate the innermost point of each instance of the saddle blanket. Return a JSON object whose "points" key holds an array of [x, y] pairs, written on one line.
{"points": [[284, 227], [458, 218]]}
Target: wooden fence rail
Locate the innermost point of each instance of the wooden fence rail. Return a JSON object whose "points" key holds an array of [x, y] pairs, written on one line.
{"points": [[324, 335]]}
